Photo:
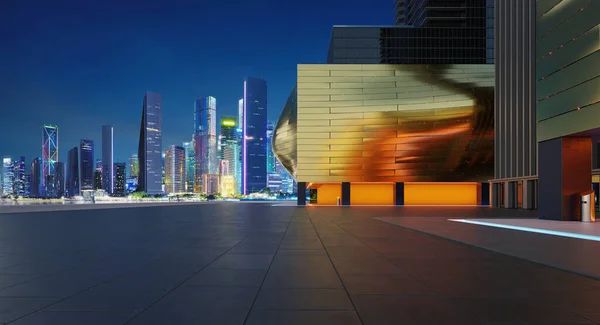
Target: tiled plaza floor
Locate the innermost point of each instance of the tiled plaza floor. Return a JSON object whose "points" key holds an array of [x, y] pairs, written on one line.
{"points": [[236, 263]]}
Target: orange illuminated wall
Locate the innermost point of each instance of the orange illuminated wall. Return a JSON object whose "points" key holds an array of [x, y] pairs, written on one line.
{"points": [[440, 193], [372, 194], [327, 194]]}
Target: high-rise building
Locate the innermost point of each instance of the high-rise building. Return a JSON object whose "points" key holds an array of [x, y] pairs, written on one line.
{"points": [[73, 173], [36, 177], [274, 181], [205, 136], [8, 176], [211, 184], [86, 164], [150, 145], [441, 13], [133, 166], [49, 157], [58, 180], [226, 179], [19, 176], [98, 179], [27, 185], [108, 173], [175, 169], [99, 164], [190, 165], [229, 142], [254, 157], [119, 168], [270, 155]]}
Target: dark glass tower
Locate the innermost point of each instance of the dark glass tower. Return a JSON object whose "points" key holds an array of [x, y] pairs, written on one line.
{"points": [[86, 150], [108, 173], [441, 13], [59, 179], [19, 174], [36, 177], [205, 138], [119, 179], [73, 173], [254, 145], [150, 145]]}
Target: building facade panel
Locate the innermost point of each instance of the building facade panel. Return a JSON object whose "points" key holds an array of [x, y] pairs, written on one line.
{"points": [[150, 145], [254, 146]]}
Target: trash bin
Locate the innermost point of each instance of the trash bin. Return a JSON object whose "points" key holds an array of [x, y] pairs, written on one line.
{"points": [[338, 201], [588, 211]]}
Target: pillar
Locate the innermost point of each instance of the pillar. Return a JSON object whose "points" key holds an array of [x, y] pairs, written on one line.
{"points": [[496, 195], [485, 194], [511, 191], [301, 193], [564, 171], [530, 194], [399, 193], [345, 193]]}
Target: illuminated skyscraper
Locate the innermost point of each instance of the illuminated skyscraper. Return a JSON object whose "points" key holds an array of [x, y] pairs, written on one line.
{"points": [[226, 179], [49, 157], [174, 169], [270, 155], [8, 176], [190, 165], [134, 166], [108, 172], [254, 160], [27, 185], [119, 168], [240, 143], [73, 173], [150, 145], [229, 143], [19, 176], [59, 180], [36, 177], [86, 164], [205, 138]]}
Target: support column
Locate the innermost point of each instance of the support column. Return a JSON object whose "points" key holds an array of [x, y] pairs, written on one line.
{"points": [[485, 194], [596, 188], [301, 193], [565, 171], [511, 191], [496, 195], [400, 193], [529, 194], [345, 193]]}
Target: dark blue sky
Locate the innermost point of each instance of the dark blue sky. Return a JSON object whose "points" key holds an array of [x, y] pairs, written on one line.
{"points": [[81, 64]]}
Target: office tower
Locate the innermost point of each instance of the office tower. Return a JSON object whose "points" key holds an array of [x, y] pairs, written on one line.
{"points": [[175, 169], [58, 189], [98, 179], [133, 166], [27, 185], [205, 136], [229, 142], [86, 163], [190, 165], [150, 146], [108, 173], [119, 168], [254, 160], [441, 13], [73, 173], [49, 156], [210, 184], [274, 182], [19, 176], [99, 164], [270, 156], [226, 179], [36, 177], [8, 176]]}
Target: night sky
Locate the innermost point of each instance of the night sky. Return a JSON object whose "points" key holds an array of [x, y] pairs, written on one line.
{"points": [[81, 64]]}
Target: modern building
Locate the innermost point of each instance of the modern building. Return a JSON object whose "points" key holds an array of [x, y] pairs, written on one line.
{"points": [[36, 178], [49, 157], [150, 145], [99, 164], [108, 172], [27, 185], [86, 164], [442, 13], [98, 179], [72, 173], [19, 177], [254, 150], [175, 169], [120, 170], [133, 166], [211, 184], [58, 187], [229, 143], [8, 176], [205, 138], [274, 182], [270, 155], [190, 165], [240, 144], [226, 180], [547, 122], [390, 134]]}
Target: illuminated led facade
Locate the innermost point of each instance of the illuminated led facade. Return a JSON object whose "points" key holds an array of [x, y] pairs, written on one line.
{"points": [[134, 166], [86, 164], [174, 169], [150, 145], [72, 184], [229, 144], [8, 176], [211, 184], [205, 138], [379, 123], [120, 184], [190, 165], [49, 156], [270, 156], [19, 176], [254, 147]]}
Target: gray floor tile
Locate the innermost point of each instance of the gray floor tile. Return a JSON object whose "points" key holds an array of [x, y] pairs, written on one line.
{"points": [[383, 284], [344, 251], [289, 317], [7, 280], [232, 278], [242, 262], [12, 308], [303, 299], [59, 285], [356, 265], [75, 318], [243, 248], [302, 278]]}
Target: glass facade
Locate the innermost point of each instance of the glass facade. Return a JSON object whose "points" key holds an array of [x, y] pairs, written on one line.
{"points": [[441, 13], [205, 138], [229, 143], [58, 180], [86, 164], [254, 157], [270, 156], [49, 156], [120, 184], [8, 176], [174, 169], [19, 176], [190, 165], [134, 166], [108, 172], [36, 178], [150, 145], [73, 173]]}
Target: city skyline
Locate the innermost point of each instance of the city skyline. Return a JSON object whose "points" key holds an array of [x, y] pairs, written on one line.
{"points": [[82, 105]]}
